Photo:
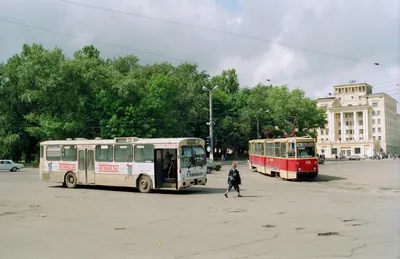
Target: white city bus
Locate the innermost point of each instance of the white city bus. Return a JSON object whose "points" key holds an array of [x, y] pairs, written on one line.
{"points": [[163, 163]]}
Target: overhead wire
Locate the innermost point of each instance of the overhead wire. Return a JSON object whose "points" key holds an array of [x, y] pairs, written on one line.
{"points": [[222, 32], [90, 39]]}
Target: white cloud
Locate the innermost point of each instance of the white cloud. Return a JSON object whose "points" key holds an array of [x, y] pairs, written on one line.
{"points": [[360, 29]]}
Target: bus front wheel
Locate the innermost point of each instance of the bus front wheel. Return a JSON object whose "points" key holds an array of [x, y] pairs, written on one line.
{"points": [[144, 184], [70, 180]]}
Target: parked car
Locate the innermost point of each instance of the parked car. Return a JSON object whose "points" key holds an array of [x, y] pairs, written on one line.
{"points": [[354, 157], [211, 165], [9, 165]]}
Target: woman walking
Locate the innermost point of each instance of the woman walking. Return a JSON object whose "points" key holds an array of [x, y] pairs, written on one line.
{"points": [[234, 180]]}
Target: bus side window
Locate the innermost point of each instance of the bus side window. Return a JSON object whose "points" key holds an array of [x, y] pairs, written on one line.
{"points": [[144, 153], [69, 153], [53, 153], [104, 153], [123, 153]]}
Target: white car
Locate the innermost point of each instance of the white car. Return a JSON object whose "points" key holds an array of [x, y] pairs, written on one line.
{"points": [[9, 165]]}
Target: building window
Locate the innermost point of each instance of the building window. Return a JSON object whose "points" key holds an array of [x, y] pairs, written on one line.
{"points": [[373, 130], [361, 138], [378, 113], [379, 129], [326, 131], [347, 131], [357, 150], [339, 132], [360, 122], [373, 138], [360, 131], [379, 138], [373, 113], [374, 104], [379, 121], [334, 151], [373, 122], [322, 132], [347, 123]]}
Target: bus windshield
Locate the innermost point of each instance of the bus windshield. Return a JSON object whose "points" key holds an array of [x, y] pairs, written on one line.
{"points": [[192, 156], [305, 149], [200, 156]]}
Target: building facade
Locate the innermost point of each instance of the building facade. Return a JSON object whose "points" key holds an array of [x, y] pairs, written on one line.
{"points": [[360, 123]]}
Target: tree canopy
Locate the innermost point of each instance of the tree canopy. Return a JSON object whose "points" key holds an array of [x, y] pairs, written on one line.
{"points": [[46, 95]]}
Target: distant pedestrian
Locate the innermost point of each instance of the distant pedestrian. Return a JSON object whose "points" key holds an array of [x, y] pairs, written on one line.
{"points": [[234, 180]]}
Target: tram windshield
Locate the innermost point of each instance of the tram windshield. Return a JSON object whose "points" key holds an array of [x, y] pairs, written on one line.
{"points": [[305, 149]]}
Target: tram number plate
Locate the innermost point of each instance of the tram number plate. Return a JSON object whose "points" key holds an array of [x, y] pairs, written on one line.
{"points": [[308, 162]]}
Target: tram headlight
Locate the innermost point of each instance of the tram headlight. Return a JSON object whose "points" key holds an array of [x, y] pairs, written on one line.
{"points": [[315, 168], [299, 169]]}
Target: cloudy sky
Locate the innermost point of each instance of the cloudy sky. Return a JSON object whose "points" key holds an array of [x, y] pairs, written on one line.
{"points": [[361, 31]]}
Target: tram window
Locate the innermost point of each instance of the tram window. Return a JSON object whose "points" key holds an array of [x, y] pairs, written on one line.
{"points": [[144, 153], [53, 153], [69, 153], [104, 153], [283, 149], [262, 149], [292, 151], [123, 153], [270, 149], [277, 149]]}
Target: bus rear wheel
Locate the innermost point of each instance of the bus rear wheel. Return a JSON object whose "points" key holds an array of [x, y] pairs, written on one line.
{"points": [[144, 184], [70, 180]]}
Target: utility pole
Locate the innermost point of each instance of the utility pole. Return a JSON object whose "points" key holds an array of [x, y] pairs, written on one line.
{"points": [[258, 128], [211, 129], [211, 121]]}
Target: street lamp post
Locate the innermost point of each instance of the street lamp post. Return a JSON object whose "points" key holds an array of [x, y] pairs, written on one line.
{"points": [[211, 121]]}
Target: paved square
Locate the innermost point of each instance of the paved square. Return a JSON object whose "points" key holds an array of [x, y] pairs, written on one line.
{"points": [[351, 211]]}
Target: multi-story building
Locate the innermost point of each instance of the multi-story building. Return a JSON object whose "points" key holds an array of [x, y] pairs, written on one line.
{"points": [[359, 122]]}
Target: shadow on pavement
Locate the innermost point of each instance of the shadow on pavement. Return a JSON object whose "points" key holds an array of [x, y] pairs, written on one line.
{"points": [[194, 190], [327, 178]]}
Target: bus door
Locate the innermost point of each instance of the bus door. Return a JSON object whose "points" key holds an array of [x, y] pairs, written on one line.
{"points": [[165, 167], [86, 166]]}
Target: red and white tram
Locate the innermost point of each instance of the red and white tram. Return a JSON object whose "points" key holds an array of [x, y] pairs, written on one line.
{"points": [[288, 158]]}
